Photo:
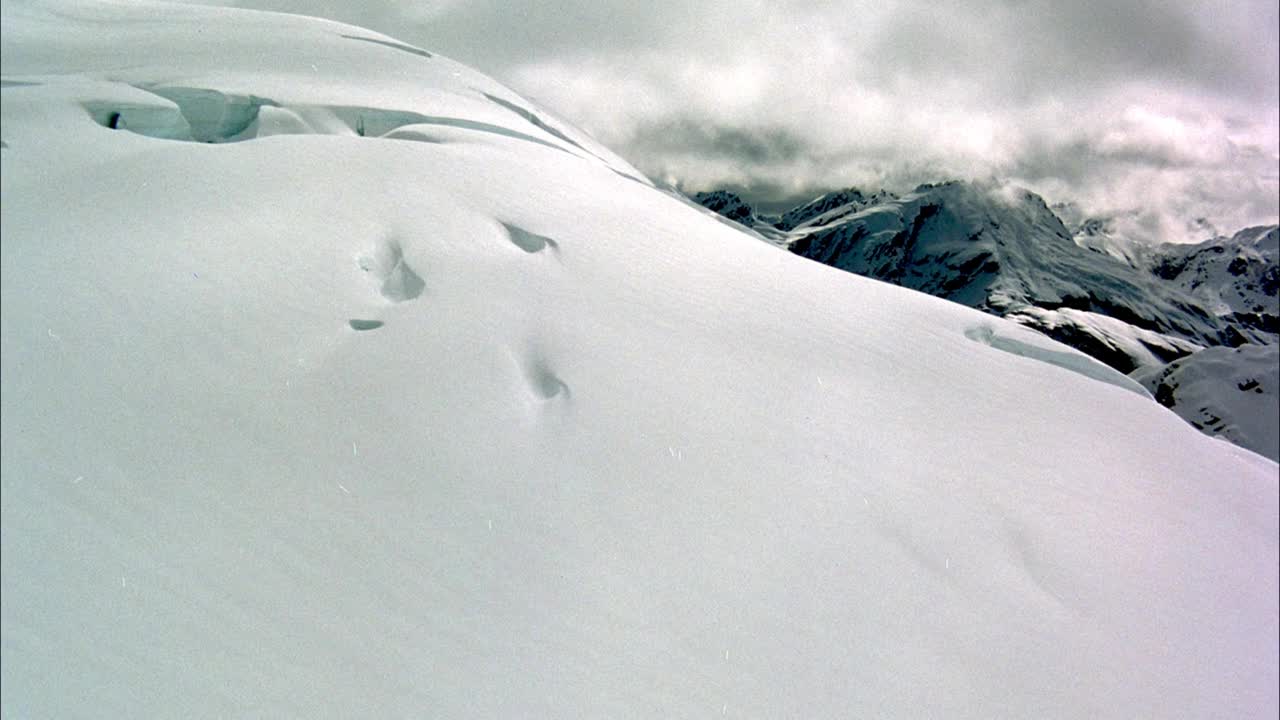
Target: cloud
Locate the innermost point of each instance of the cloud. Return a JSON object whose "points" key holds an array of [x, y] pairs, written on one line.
{"points": [[716, 142], [1151, 106], [1026, 49]]}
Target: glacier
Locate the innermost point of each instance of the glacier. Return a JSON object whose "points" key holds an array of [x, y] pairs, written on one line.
{"points": [[331, 387]]}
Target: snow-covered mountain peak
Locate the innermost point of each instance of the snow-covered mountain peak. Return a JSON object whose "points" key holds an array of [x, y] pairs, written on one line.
{"points": [[1100, 235], [1000, 248], [819, 206], [1237, 278], [727, 204]]}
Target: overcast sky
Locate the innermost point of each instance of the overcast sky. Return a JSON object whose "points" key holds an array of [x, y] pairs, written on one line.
{"points": [[1164, 110]]}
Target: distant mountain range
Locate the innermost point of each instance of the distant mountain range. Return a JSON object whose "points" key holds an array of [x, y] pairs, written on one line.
{"points": [[1147, 311]]}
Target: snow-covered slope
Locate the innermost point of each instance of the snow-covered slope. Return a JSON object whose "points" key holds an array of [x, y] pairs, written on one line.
{"points": [[1236, 278], [1099, 235], [351, 399], [174, 77], [1230, 392], [828, 208]]}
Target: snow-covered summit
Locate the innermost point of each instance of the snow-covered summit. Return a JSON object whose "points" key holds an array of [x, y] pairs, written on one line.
{"points": [[727, 204], [819, 210], [1101, 235], [331, 389], [1003, 250], [1236, 278]]}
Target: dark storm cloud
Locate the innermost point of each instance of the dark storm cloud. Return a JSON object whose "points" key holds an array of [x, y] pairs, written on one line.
{"points": [[1029, 48], [1079, 160], [697, 138]]}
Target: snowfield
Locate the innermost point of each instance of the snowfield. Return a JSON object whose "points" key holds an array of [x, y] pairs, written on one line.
{"points": [[340, 381]]}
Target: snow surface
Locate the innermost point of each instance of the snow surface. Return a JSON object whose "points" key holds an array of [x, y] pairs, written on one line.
{"points": [[299, 421]]}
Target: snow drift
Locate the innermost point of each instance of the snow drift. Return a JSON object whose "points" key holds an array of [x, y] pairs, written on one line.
{"points": [[332, 389]]}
